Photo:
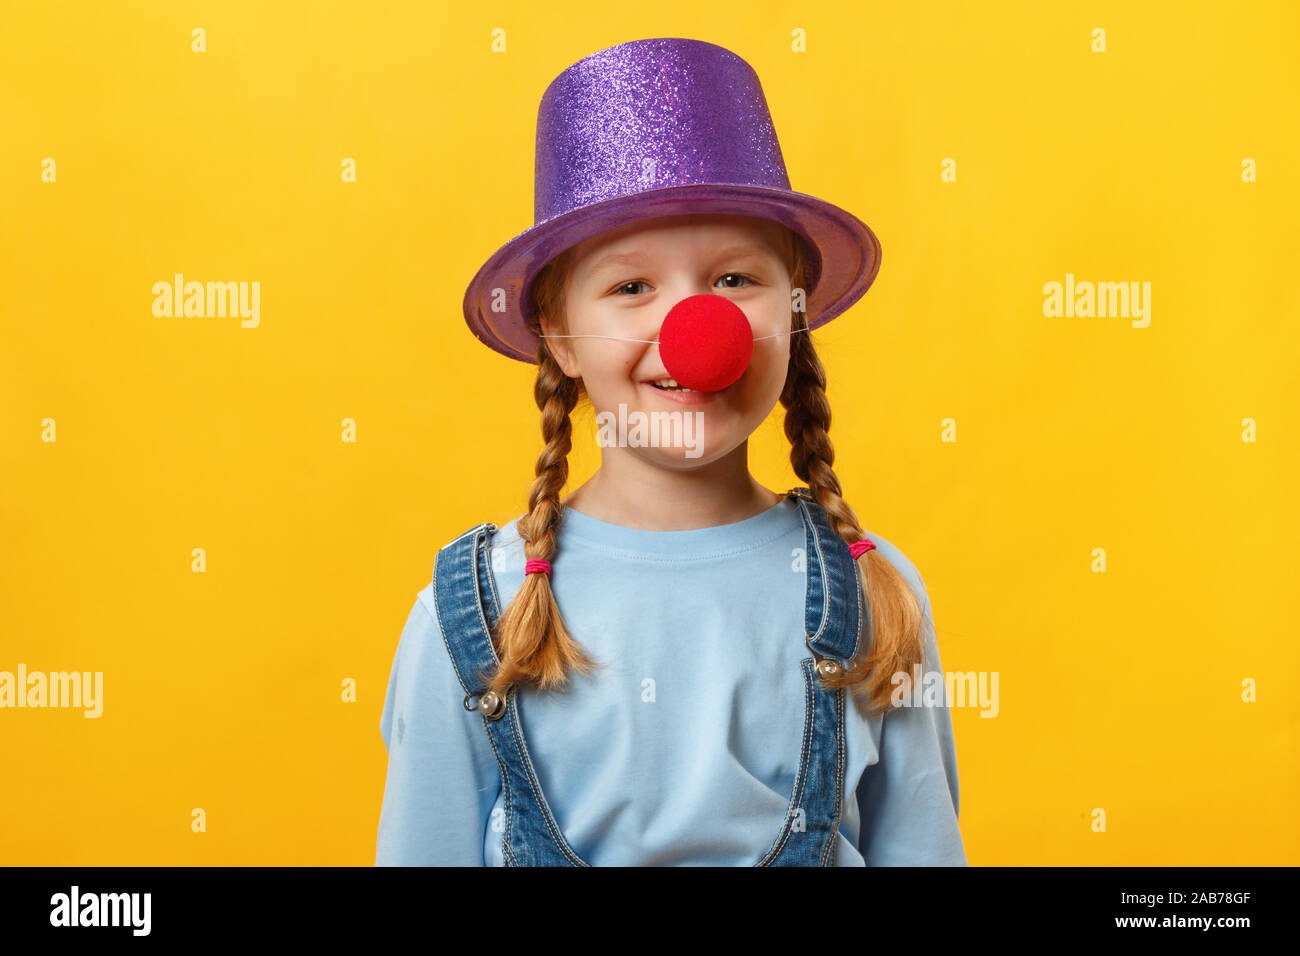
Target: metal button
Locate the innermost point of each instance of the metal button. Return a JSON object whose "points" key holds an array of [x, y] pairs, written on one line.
{"points": [[827, 667], [492, 705]]}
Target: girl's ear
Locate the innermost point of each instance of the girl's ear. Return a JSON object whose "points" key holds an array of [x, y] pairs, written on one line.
{"points": [[560, 349]]}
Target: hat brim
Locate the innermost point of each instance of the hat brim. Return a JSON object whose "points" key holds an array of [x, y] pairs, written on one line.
{"points": [[844, 253]]}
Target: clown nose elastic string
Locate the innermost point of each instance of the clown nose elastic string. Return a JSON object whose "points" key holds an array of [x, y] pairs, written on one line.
{"points": [[706, 342]]}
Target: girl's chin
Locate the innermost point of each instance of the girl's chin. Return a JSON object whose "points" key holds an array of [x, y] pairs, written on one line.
{"points": [[683, 435]]}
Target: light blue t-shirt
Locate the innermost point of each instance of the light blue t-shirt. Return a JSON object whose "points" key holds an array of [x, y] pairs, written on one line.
{"points": [[682, 748]]}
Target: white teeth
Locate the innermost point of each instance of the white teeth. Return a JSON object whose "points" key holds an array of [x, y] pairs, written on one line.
{"points": [[671, 383]]}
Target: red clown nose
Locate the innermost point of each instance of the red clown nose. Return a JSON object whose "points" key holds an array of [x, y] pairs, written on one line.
{"points": [[706, 342]]}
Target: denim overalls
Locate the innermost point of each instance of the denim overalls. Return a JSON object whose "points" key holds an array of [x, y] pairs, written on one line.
{"points": [[467, 606]]}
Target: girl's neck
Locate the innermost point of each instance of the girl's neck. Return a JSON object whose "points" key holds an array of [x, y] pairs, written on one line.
{"points": [[631, 492]]}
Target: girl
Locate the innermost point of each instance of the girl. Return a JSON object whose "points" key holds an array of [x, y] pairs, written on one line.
{"points": [[672, 665]]}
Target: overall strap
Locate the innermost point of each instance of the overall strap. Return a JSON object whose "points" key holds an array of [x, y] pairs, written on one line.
{"points": [[832, 610], [836, 603], [465, 600]]}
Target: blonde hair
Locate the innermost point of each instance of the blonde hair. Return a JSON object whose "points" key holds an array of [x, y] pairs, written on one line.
{"points": [[532, 642]]}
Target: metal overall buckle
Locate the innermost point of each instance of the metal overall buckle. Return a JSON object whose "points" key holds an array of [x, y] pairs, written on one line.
{"points": [[826, 667], [490, 704]]}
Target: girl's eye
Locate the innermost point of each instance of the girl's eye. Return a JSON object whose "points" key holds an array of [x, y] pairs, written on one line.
{"points": [[629, 288]]}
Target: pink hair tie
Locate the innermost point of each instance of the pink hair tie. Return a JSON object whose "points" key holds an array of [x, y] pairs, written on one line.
{"points": [[537, 566], [858, 548]]}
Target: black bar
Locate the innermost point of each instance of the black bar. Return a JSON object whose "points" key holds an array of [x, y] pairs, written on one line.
{"points": [[330, 904]]}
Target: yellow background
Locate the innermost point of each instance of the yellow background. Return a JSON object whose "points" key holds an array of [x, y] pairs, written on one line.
{"points": [[1119, 691]]}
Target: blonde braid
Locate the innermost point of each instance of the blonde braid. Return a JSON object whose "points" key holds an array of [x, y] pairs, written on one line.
{"points": [[895, 612], [532, 642]]}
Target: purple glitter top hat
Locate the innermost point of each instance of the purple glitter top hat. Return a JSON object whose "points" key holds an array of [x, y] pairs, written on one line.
{"points": [[655, 128]]}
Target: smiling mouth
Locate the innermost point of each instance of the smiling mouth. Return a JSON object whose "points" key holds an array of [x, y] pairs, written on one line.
{"points": [[670, 385], [674, 394]]}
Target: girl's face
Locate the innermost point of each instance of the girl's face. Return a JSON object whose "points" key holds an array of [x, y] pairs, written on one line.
{"points": [[623, 282]]}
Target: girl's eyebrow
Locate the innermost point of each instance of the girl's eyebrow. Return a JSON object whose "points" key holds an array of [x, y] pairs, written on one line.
{"points": [[624, 258], [632, 258]]}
